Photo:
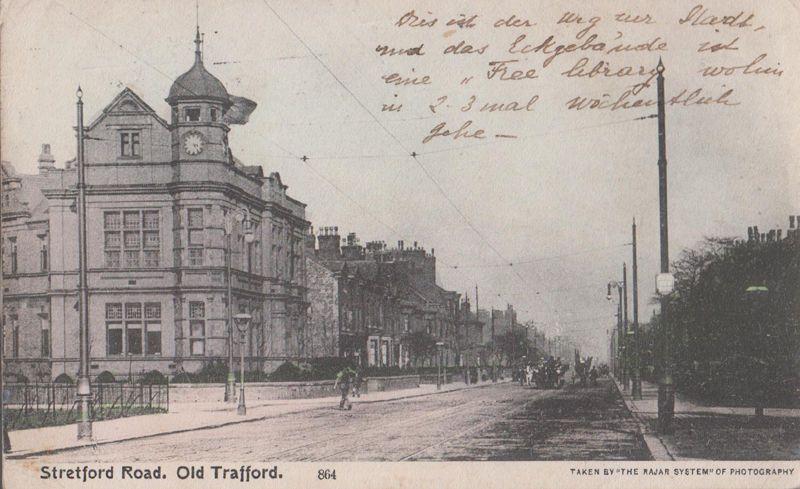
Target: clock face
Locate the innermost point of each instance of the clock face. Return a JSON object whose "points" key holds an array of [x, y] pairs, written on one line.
{"points": [[193, 143]]}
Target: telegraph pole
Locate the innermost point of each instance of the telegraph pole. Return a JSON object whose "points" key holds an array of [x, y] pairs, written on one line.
{"points": [[666, 387], [84, 386], [3, 426], [230, 384], [626, 354], [636, 380], [620, 363], [494, 351]]}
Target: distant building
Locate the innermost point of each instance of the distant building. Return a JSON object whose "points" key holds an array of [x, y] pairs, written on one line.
{"points": [[793, 232], [160, 195], [365, 301]]}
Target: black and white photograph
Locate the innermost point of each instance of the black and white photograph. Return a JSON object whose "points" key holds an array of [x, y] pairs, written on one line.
{"points": [[310, 243]]}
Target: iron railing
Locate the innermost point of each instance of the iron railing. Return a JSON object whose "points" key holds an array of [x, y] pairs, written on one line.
{"points": [[47, 404]]}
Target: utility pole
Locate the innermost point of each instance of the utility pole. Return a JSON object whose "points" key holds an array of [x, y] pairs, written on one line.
{"points": [[84, 386], [636, 387], [666, 387], [626, 357], [482, 350], [494, 351], [230, 384], [619, 333], [3, 447], [514, 339]]}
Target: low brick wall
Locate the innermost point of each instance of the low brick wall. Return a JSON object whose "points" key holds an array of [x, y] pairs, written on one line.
{"points": [[256, 391], [446, 378], [265, 391], [380, 384]]}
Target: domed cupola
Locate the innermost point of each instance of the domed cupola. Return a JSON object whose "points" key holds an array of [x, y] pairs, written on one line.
{"points": [[198, 83]]}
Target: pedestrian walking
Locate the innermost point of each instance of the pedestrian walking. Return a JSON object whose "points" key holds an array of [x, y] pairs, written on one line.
{"points": [[344, 380]]}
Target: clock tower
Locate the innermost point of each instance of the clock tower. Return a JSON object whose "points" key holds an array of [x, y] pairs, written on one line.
{"points": [[198, 101]]}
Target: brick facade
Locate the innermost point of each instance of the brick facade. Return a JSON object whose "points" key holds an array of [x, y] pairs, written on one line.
{"points": [[161, 199], [378, 297]]}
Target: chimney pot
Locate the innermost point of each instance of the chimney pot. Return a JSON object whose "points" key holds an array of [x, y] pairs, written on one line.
{"points": [[46, 160]]}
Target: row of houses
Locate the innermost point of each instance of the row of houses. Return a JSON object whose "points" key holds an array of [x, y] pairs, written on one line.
{"points": [[182, 234]]}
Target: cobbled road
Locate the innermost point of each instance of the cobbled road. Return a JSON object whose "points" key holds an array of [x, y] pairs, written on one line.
{"points": [[495, 422]]}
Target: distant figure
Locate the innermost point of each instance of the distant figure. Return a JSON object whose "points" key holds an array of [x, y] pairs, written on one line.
{"points": [[357, 382], [593, 376], [6, 440], [344, 380]]}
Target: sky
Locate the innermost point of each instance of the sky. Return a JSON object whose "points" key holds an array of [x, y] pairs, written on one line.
{"points": [[557, 201]]}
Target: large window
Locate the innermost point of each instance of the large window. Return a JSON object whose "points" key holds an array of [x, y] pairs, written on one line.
{"points": [[152, 316], [130, 145], [192, 114], [197, 328], [45, 339], [13, 318], [12, 247], [132, 239], [196, 236], [43, 253], [133, 328]]}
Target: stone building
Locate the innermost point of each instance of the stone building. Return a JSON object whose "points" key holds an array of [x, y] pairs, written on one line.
{"points": [[167, 201], [367, 300]]}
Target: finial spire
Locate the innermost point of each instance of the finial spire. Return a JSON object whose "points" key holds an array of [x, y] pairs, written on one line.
{"points": [[198, 54]]}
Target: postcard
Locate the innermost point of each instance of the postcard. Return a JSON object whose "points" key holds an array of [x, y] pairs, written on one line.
{"points": [[272, 243]]}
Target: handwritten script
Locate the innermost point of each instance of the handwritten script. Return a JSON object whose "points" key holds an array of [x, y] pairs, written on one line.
{"points": [[473, 75]]}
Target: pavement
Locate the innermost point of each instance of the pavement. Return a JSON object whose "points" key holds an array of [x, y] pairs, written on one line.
{"points": [[187, 417], [714, 423]]}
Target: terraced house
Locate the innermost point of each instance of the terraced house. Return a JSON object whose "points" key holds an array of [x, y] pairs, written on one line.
{"points": [[167, 204], [367, 301]]}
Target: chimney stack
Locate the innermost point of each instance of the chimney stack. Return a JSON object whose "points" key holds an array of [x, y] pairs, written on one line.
{"points": [[46, 160], [328, 242]]}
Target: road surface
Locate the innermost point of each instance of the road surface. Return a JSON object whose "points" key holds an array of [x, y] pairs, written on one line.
{"points": [[493, 422]]}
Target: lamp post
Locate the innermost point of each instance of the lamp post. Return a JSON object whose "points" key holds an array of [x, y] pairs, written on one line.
{"points": [[626, 364], [242, 321], [636, 381], [619, 364], [439, 345], [84, 386], [242, 216]]}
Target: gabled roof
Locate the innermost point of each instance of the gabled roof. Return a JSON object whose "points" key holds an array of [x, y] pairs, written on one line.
{"points": [[127, 102], [28, 198]]}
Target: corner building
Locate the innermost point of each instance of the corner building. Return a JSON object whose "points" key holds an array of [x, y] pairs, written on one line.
{"points": [[165, 201]]}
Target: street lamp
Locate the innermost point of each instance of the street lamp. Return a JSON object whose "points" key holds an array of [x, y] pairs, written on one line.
{"points": [[242, 216], [439, 345], [84, 386], [619, 362], [242, 321]]}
